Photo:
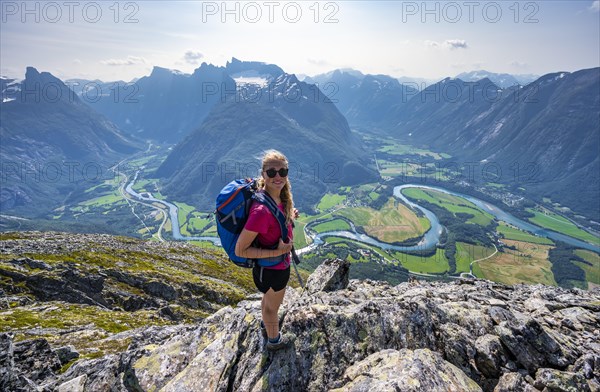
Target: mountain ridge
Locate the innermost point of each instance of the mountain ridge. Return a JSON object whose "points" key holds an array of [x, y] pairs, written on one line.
{"points": [[503, 80], [539, 130], [287, 113], [351, 335]]}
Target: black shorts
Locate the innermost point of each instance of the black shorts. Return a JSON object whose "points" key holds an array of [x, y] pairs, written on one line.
{"points": [[271, 278]]}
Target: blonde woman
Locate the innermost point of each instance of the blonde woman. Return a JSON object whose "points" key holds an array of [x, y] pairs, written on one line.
{"points": [[261, 238]]}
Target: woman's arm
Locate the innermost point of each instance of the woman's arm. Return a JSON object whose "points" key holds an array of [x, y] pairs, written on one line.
{"points": [[244, 248]]}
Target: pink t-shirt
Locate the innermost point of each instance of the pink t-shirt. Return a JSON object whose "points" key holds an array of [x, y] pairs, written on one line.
{"points": [[261, 220]]}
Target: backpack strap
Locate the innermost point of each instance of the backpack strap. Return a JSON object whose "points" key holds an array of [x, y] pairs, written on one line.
{"points": [[267, 200]]}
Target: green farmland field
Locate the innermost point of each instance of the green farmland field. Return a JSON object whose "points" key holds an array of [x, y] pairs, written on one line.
{"points": [[436, 264], [330, 200], [333, 225], [451, 203], [466, 253], [592, 272], [394, 222], [512, 233], [559, 224]]}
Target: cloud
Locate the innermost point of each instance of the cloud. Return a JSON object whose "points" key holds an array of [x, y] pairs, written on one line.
{"points": [[448, 44], [595, 7], [130, 60], [456, 44], [76, 62], [320, 63], [518, 64], [12, 73], [192, 57]]}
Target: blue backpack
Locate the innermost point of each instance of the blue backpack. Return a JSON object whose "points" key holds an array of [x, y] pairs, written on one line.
{"points": [[233, 207]]}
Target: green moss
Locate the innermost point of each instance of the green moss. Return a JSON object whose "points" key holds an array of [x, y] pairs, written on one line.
{"points": [[11, 235], [62, 316], [179, 269], [93, 355], [67, 365], [362, 335]]}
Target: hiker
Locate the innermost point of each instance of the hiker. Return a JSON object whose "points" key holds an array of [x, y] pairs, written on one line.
{"points": [[261, 238]]}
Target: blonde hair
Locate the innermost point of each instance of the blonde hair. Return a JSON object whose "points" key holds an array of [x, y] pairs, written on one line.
{"points": [[286, 192]]}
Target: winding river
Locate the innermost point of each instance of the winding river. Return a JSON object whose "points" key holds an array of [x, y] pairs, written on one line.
{"points": [[172, 213], [432, 236], [430, 239]]}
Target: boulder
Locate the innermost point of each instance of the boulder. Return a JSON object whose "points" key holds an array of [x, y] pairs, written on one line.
{"points": [[66, 354], [76, 384], [514, 382], [331, 275], [405, 370], [35, 359], [559, 381]]}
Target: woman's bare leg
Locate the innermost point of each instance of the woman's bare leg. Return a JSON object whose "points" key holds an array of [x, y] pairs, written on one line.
{"points": [[270, 304]]}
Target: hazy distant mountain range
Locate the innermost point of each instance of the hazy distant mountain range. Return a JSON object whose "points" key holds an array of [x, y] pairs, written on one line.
{"points": [[168, 104], [501, 80], [52, 141], [325, 77], [367, 100], [221, 115], [165, 105], [362, 99]]}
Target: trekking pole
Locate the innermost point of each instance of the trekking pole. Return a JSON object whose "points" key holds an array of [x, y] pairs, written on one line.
{"points": [[297, 261]]}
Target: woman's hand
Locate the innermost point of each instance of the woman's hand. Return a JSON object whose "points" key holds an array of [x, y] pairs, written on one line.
{"points": [[283, 247], [296, 213]]}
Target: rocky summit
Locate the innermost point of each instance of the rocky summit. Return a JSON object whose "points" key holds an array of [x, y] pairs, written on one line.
{"points": [[351, 335]]}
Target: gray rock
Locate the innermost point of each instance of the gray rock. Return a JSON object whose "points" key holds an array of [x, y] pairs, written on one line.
{"points": [[588, 365], [168, 313], [578, 318], [66, 354], [514, 382], [553, 380], [490, 355], [405, 370], [31, 263], [161, 290], [76, 384], [136, 302], [459, 349], [70, 286], [35, 360], [100, 374], [533, 346], [331, 275]]}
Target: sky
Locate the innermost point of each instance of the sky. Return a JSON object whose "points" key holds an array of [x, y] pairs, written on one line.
{"points": [[123, 40]]}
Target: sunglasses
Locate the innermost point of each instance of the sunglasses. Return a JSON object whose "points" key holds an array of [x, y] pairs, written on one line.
{"points": [[272, 172]]}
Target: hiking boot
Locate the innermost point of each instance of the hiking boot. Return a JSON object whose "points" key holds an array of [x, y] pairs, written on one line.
{"points": [[284, 341]]}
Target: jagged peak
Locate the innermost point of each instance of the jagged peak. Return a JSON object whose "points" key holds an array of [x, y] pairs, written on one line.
{"points": [[31, 72], [161, 72]]}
